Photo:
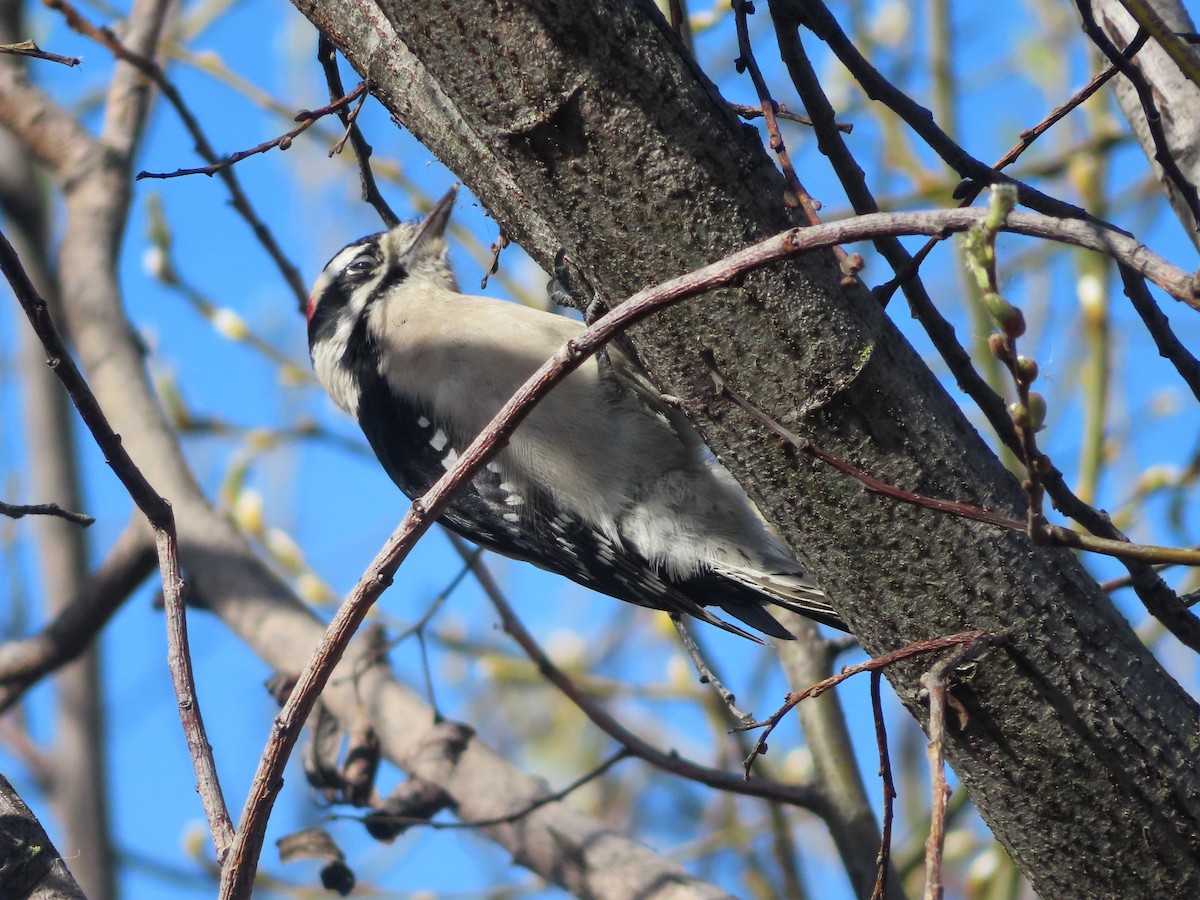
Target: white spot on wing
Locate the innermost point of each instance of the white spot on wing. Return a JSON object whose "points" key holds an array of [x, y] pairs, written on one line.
{"points": [[450, 459], [439, 440], [422, 422]]}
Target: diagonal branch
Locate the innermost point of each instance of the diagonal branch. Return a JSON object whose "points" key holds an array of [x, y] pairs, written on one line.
{"points": [[161, 518], [154, 72], [237, 876], [24, 662]]}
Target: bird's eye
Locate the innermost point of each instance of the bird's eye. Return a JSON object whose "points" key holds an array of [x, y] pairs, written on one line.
{"points": [[360, 267]]}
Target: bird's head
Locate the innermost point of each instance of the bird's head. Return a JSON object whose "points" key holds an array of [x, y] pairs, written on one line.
{"points": [[408, 257]]}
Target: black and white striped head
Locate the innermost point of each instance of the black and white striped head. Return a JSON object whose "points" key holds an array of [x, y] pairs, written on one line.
{"points": [[363, 275]]}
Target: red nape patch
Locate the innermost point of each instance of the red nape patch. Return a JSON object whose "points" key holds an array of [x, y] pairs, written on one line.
{"points": [[308, 309]]}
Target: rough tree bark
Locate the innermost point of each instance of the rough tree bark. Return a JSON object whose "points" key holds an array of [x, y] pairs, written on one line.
{"points": [[586, 127]]}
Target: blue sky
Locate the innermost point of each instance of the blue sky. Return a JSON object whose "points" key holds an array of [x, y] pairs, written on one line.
{"points": [[337, 506]]}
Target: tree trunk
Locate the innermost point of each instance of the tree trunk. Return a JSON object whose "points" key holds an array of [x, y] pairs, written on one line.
{"points": [[586, 127]]}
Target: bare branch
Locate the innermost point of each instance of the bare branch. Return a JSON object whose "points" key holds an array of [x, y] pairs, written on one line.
{"points": [[401, 823], [160, 516], [880, 891], [936, 684], [307, 118], [795, 795], [327, 57], [782, 112], [876, 664], [153, 71], [17, 511], [796, 195], [24, 662], [32, 50]]}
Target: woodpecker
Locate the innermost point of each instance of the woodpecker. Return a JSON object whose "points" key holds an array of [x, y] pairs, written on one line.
{"points": [[603, 482]]}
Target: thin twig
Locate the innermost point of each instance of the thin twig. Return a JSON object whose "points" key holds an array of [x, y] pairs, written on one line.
{"points": [[746, 111], [507, 818], [32, 50], [889, 788], [872, 484], [795, 795], [935, 682], [796, 194], [939, 790], [307, 119], [707, 676], [19, 510], [494, 266], [327, 57], [349, 120], [162, 519], [878, 663], [1169, 346], [103, 36], [1029, 135]]}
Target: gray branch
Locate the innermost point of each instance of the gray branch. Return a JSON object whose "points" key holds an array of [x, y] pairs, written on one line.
{"points": [[1177, 98]]}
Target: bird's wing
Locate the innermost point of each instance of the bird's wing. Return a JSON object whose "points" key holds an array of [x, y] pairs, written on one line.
{"points": [[415, 449]]}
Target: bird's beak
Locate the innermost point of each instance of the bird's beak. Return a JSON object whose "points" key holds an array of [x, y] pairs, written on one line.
{"points": [[433, 226]]}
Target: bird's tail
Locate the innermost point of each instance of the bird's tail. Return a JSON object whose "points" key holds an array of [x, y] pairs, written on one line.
{"points": [[792, 591]]}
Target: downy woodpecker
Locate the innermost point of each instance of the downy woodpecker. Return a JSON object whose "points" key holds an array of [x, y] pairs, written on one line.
{"points": [[603, 482]]}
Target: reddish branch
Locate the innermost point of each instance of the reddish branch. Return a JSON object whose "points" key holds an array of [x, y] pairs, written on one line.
{"points": [[796, 194], [1039, 530], [237, 875], [875, 664], [936, 683], [782, 112]]}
